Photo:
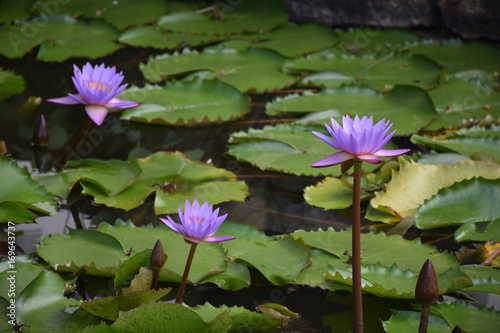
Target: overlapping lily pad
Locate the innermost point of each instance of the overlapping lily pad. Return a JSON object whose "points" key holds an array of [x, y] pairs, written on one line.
{"points": [[10, 84], [479, 231], [421, 182], [398, 105], [186, 103], [126, 184], [375, 38], [380, 71], [11, 10], [250, 70], [21, 198], [473, 200], [226, 18], [99, 39]]}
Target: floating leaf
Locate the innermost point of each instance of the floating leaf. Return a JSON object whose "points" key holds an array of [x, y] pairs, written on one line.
{"points": [[154, 317], [408, 108], [173, 104], [473, 200], [484, 278], [25, 273], [229, 18], [253, 247], [11, 10], [235, 277], [355, 40], [278, 148], [21, 198], [457, 100], [283, 40], [330, 194], [250, 70], [420, 182], [110, 307], [473, 55], [149, 36], [377, 71], [10, 84], [338, 243], [98, 40], [478, 231], [409, 322], [469, 317]]}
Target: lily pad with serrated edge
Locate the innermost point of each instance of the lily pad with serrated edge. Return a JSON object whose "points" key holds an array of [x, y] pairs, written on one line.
{"points": [[408, 108], [250, 70], [10, 84], [186, 103]]}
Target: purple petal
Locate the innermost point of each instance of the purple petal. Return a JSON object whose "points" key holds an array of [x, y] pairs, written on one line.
{"points": [[172, 225], [192, 239], [325, 139], [336, 158], [215, 239], [63, 100], [369, 158], [96, 113], [391, 152], [118, 103]]}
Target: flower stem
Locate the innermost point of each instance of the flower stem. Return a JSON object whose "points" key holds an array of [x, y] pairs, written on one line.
{"points": [[356, 250], [424, 319], [182, 286], [70, 150]]}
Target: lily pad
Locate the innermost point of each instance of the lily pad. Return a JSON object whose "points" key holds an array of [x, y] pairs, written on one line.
{"points": [[399, 105], [479, 231], [420, 182], [11, 10], [250, 70], [380, 71], [10, 84], [154, 317], [473, 55], [283, 40], [228, 18], [468, 316], [375, 38], [18, 38], [331, 194], [473, 200], [174, 103], [21, 198], [409, 322], [484, 278], [149, 36]]}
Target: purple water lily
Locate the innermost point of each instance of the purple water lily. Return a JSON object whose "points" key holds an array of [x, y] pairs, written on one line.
{"points": [[198, 223], [98, 88], [358, 139]]}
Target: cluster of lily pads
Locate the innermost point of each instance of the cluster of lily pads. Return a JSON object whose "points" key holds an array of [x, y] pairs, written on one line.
{"points": [[209, 65]]}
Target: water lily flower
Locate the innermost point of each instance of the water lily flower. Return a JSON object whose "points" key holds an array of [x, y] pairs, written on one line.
{"points": [[358, 139], [198, 223], [98, 88]]}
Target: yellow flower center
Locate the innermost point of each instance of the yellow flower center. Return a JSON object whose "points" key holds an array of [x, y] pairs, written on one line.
{"points": [[98, 85]]}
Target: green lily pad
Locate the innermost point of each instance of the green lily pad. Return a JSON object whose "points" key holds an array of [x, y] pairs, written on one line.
{"points": [[479, 231], [399, 105], [473, 200], [409, 322], [235, 277], [461, 144], [229, 18], [420, 182], [330, 194], [21, 198], [288, 258], [154, 317], [393, 282], [209, 258], [473, 55], [484, 278], [10, 84], [380, 71], [469, 317], [110, 307], [278, 148], [25, 273], [11, 10], [173, 103], [250, 70], [355, 40], [18, 38], [415, 253], [283, 40], [148, 36]]}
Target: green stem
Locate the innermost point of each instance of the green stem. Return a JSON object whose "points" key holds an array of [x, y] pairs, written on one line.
{"points": [[356, 250], [182, 286], [424, 319], [62, 162]]}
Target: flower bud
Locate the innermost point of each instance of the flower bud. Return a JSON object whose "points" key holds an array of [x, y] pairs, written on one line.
{"points": [[427, 289], [41, 132], [158, 256]]}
